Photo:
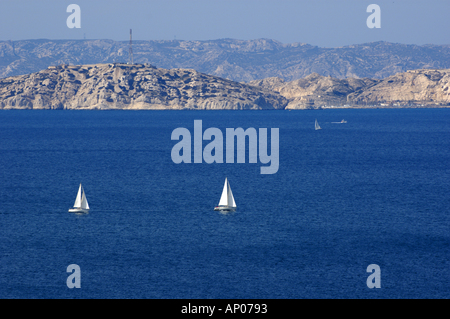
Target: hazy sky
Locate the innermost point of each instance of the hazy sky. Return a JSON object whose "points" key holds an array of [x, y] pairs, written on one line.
{"points": [[326, 23]]}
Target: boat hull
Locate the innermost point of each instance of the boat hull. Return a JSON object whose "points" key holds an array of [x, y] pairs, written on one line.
{"points": [[79, 210], [225, 208]]}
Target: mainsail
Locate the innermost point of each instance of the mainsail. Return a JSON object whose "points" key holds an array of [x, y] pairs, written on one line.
{"points": [[84, 203], [78, 199], [227, 198], [316, 125], [81, 201]]}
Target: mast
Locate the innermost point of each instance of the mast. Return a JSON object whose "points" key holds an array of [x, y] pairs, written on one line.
{"points": [[130, 50]]}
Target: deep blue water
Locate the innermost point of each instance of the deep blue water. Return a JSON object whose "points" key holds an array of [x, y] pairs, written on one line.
{"points": [[373, 191]]}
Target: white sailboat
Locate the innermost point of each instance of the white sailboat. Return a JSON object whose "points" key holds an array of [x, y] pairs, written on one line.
{"points": [[341, 122], [317, 127], [81, 205], [226, 203]]}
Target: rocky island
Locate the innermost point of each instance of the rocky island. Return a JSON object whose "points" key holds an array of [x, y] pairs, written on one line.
{"points": [[124, 86], [414, 88], [143, 86]]}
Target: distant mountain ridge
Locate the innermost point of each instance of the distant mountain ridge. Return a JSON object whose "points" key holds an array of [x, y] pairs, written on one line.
{"points": [[238, 60]]}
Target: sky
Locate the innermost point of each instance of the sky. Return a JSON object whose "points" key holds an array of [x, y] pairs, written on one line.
{"points": [[325, 23]]}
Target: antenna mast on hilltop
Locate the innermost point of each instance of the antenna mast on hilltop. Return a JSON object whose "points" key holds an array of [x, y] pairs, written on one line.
{"points": [[130, 50]]}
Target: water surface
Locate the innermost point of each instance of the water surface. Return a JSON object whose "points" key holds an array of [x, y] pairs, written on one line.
{"points": [[372, 191]]}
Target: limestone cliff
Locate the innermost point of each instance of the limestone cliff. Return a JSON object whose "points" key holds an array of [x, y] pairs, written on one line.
{"points": [[417, 86], [123, 86], [138, 86], [422, 87]]}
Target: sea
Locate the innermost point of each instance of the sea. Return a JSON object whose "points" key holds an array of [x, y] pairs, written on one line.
{"points": [[372, 191]]}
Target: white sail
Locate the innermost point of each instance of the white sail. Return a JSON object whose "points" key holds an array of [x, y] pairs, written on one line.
{"points": [[224, 198], [230, 197], [78, 199], [84, 203], [81, 205], [317, 126], [227, 198]]}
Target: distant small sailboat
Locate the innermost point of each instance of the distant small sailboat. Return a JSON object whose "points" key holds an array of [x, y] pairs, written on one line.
{"points": [[226, 203], [341, 122], [317, 127], [81, 205]]}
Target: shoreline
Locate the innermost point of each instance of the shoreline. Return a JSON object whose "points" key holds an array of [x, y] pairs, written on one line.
{"points": [[237, 110]]}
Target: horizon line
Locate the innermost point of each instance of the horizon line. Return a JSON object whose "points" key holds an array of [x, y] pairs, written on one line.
{"points": [[221, 39]]}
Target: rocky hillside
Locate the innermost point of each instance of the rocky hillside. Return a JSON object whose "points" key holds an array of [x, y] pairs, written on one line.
{"points": [[238, 60], [412, 88], [138, 86], [429, 87], [315, 90], [142, 86]]}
